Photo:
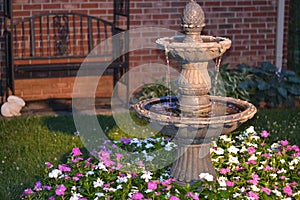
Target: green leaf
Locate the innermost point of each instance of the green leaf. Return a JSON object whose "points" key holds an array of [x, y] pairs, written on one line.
{"points": [[282, 91]]}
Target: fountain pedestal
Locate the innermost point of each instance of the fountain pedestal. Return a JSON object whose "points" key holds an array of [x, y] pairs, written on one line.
{"points": [[192, 160]]}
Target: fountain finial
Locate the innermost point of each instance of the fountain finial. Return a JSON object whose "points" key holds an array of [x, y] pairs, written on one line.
{"points": [[193, 21]]}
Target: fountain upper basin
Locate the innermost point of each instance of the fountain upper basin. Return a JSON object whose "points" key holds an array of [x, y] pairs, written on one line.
{"points": [[227, 113], [180, 48]]}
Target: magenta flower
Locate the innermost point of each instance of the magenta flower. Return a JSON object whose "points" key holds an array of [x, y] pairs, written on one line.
{"points": [[251, 150], [51, 198], [288, 190], [60, 190], [255, 179], [253, 195], [38, 186], [266, 190], [229, 183], [284, 142], [119, 156], [267, 155], [190, 194], [264, 134], [174, 198], [76, 152], [137, 196], [152, 185]]}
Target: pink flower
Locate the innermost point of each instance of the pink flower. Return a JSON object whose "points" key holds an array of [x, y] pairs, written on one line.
{"points": [[119, 156], [140, 163], [190, 194], [266, 190], [264, 134], [229, 183], [253, 195], [174, 198], [224, 170], [49, 165], [288, 190], [282, 177], [267, 155], [137, 196], [51, 198], [76, 151], [251, 150], [28, 191], [152, 186], [251, 162], [60, 190], [267, 168], [284, 142], [255, 179], [64, 168]]}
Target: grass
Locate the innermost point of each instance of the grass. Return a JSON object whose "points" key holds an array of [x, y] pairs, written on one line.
{"points": [[26, 143]]}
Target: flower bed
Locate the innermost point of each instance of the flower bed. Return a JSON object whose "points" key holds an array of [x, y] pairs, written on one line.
{"points": [[247, 167]]}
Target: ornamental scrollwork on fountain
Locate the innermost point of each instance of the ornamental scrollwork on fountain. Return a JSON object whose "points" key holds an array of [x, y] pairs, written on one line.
{"points": [[61, 35]]}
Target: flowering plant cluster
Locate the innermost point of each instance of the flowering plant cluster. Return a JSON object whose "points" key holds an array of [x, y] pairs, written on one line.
{"points": [[247, 168]]}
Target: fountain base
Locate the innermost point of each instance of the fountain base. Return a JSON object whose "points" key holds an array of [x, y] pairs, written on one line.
{"points": [[192, 161]]}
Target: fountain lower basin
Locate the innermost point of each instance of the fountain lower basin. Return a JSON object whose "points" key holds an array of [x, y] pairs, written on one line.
{"points": [[226, 111]]}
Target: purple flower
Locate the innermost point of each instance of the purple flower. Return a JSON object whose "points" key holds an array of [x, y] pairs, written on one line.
{"points": [[266, 190], [190, 194], [152, 186], [51, 198], [60, 190], [76, 152], [137, 196], [47, 187], [38, 186], [125, 140], [264, 134], [288, 190], [251, 150], [284, 142], [253, 195]]}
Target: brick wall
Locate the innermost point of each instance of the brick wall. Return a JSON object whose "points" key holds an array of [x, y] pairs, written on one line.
{"points": [[250, 24]]}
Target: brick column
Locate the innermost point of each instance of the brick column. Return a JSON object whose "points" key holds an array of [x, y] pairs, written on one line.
{"points": [[2, 51]]}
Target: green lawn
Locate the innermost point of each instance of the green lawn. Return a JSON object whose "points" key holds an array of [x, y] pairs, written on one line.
{"points": [[26, 143]]}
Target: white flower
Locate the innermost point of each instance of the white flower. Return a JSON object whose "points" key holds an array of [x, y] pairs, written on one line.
{"points": [[235, 195], [277, 193], [250, 130], [98, 183], [149, 145], [242, 189], [101, 166], [255, 188], [254, 137], [282, 161], [219, 151], [89, 173], [243, 149], [252, 157], [273, 175], [55, 173], [146, 176], [281, 171], [168, 146], [206, 176], [225, 138], [222, 181], [122, 179], [99, 194], [233, 149], [76, 196], [233, 160], [119, 187], [295, 161]]}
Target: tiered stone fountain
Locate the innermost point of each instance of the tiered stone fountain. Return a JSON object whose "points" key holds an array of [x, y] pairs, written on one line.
{"points": [[197, 117]]}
